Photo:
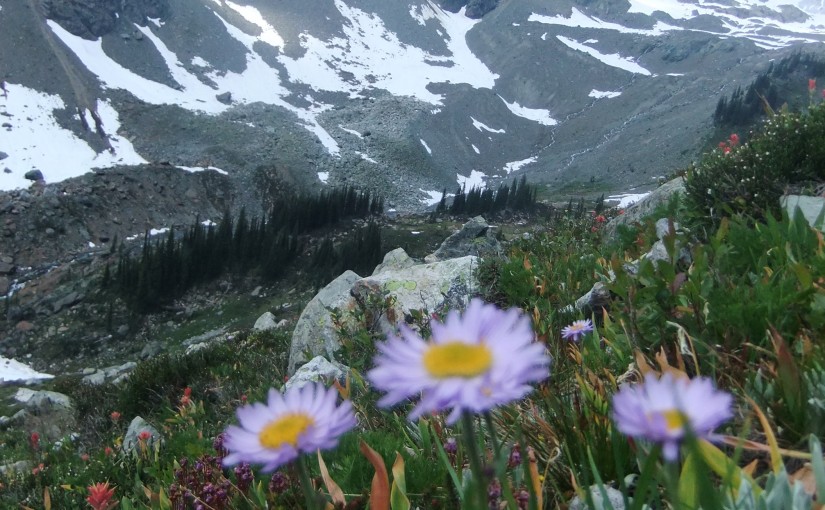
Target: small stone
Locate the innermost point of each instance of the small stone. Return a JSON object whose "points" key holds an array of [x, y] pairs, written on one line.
{"points": [[24, 326], [3, 155], [264, 322]]}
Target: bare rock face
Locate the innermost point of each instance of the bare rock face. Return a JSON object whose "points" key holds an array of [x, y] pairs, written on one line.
{"points": [[94, 18], [475, 8]]}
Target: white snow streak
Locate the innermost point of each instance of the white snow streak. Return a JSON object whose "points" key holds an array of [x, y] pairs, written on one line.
{"points": [[535, 114], [613, 59], [481, 126]]}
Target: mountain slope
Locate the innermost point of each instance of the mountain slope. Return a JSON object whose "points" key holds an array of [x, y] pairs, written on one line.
{"points": [[406, 97]]}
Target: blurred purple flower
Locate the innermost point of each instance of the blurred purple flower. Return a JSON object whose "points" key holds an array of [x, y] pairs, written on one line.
{"points": [[663, 409], [303, 420], [474, 362]]}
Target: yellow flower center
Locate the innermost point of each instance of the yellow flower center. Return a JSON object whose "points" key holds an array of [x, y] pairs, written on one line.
{"points": [[674, 419], [457, 359], [284, 430]]}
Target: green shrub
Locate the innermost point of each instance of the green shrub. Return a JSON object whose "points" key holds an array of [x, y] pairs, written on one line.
{"points": [[789, 150]]}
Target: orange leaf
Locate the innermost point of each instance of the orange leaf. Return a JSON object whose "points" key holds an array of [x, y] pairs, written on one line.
{"points": [[380, 493], [527, 265], [751, 467], [534, 476], [334, 490]]}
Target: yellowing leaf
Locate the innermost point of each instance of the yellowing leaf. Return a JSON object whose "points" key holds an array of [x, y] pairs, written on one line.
{"points": [[334, 490], [398, 493]]}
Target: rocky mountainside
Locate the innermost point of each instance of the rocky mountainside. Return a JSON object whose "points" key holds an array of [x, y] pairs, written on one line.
{"points": [[406, 97]]}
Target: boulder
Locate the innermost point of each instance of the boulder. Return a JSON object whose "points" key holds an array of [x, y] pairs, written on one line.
{"points": [[225, 97], [138, 425], [596, 300], [810, 207], [318, 369], [476, 237], [430, 287], [615, 500], [265, 322], [645, 206], [314, 332], [49, 413], [394, 260]]}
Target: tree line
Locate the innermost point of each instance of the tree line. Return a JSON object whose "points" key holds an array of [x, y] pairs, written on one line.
{"points": [[519, 196], [776, 86], [166, 268]]}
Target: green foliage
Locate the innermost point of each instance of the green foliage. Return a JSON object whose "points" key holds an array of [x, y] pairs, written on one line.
{"points": [[789, 150]]}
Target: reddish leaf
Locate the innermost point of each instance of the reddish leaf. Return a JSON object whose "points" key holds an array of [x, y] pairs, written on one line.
{"points": [[380, 493]]}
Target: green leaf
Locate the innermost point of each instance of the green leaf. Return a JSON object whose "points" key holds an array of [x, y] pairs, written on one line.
{"points": [[688, 483], [724, 467], [398, 493]]}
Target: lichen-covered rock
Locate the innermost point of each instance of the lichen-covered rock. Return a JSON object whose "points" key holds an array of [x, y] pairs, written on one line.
{"points": [[394, 260], [615, 500], [314, 332], [429, 287], [318, 369]]}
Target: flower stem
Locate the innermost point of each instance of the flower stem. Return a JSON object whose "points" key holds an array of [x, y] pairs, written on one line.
{"points": [[306, 484], [476, 467]]}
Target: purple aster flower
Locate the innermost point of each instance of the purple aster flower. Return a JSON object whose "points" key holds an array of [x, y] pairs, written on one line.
{"points": [[575, 331], [663, 410], [474, 362], [303, 420]]}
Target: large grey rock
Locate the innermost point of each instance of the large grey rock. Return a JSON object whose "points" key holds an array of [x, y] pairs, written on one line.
{"points": [[138, 425], [49, 413], [314, 332], [429, 287], [476, 237], [394, 260], [114, 374], [810, 207], [596, 300], [615, 500], [318, 369], [265, 322], [647, 205]]}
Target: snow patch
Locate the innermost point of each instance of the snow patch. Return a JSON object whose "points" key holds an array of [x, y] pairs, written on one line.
{"points": [[474, 180], [433, 197], [475, 148], [13, 370], [200, 62], [626, 199], [578, 19], [366, 157], [599, 94], [352, 132], [612, 59], [202, 169], [376, 58], [323, 177], [515, 166], [37, 141], [427, 147], [535, 114], [484, 127], [268, 33]]}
